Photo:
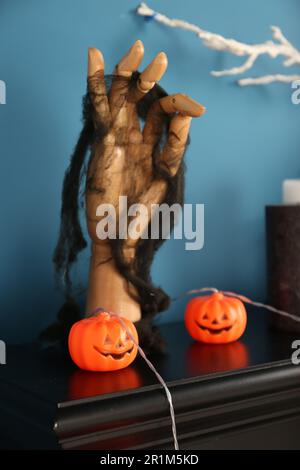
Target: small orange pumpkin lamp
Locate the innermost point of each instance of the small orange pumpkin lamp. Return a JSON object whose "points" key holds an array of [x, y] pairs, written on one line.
{"points": [[101, 343], [215, 319]]}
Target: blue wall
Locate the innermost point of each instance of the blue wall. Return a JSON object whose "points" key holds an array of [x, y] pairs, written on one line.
{"points": [[246, 144]]}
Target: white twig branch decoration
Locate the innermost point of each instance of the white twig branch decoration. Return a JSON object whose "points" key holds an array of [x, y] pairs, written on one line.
{"points": [[282, 47]]}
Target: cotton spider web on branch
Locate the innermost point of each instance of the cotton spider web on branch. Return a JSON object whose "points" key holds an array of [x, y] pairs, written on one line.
{"points": [[282, 47]]}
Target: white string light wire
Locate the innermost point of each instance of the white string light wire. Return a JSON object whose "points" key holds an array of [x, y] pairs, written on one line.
{"points": [[201, 290]]}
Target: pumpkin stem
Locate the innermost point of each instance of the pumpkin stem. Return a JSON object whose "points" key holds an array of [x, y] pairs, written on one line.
{"points": [[218, 296]]}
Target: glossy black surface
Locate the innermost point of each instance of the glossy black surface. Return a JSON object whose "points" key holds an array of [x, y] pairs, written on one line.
{"points": [[49, 373], [236, 396]]}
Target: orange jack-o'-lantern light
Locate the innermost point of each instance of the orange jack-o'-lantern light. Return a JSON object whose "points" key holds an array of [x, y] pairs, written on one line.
{"points": [[102, 343], [215, 318]]}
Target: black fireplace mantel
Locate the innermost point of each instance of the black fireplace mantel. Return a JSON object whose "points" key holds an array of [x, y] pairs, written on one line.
{"points": [[244, 395]]}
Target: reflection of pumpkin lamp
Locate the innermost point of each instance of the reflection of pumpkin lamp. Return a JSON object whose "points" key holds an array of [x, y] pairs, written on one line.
{"points": [[215, 318], [101, 343], [205, 358], [85, 384]]}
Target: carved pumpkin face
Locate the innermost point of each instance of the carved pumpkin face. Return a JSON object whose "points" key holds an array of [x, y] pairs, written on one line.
{"points": [[215, 318], [101, 343]]}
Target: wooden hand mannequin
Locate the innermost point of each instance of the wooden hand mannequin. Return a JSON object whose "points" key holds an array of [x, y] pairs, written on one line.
{"points": [[125, 167]]}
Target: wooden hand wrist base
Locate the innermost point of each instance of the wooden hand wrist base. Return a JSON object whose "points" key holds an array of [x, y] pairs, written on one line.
{"points": [[107, 288]]}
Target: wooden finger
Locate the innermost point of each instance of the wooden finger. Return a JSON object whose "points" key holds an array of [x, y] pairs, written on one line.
{"points": [[151, 75], [183, 104], [131, 61], [168, 105], [174, 149], [154, 124], [120, 85], [152, 196], [96, 85]]}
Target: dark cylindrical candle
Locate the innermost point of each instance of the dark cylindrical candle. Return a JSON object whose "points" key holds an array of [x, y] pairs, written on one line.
{"points": [[283, 263]]}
